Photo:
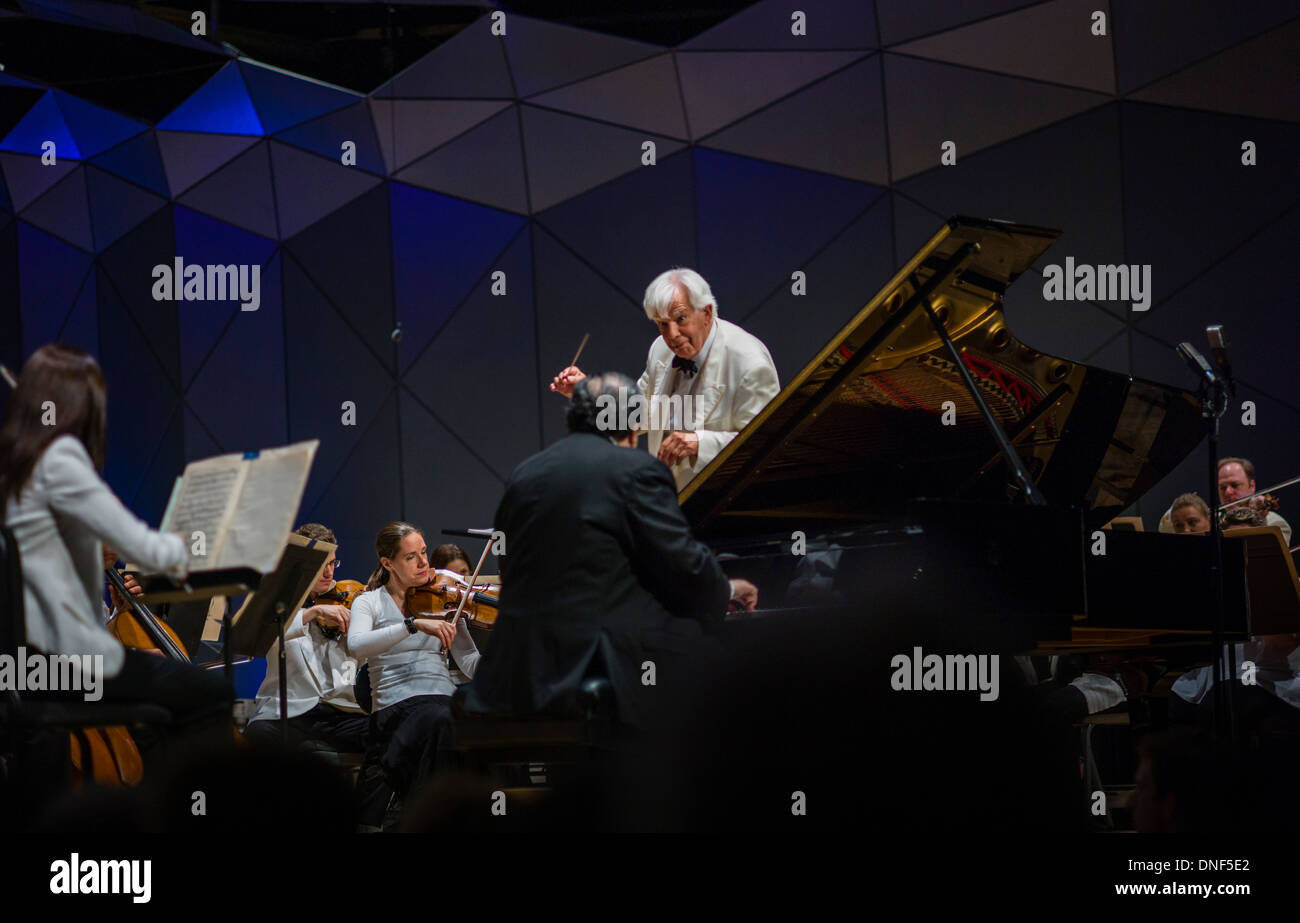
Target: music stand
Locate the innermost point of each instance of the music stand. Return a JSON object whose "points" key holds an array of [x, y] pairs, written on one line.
{"points": [[260, 621]]}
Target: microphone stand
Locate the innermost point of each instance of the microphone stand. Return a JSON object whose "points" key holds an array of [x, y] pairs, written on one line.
{"points": [[1213, 395]]}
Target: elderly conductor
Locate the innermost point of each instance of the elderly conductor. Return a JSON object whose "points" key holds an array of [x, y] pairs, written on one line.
{"points": [[712, 376]]}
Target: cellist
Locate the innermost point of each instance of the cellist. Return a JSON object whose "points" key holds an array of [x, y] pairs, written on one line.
{"points": [[60, 510]]}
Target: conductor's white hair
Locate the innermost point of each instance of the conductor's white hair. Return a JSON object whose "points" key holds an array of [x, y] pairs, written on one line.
{"points": [[662, 292]]}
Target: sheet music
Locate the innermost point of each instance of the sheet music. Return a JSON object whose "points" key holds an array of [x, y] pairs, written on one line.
{"points": [[203, 504], [244, 506], [266, 507]]}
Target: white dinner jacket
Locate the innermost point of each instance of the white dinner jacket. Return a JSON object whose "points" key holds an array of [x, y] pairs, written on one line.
{"points": [[736, 382]]}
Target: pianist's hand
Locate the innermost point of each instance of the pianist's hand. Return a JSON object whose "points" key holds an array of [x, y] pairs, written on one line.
{"points": [[678, 446], [563, 383], [745, 593]]}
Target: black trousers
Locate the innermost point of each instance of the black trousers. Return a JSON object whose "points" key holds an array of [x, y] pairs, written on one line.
{"points": [[411, 739], [344, 731]]}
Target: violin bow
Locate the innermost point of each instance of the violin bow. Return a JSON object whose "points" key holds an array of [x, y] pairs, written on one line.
{"points": [[465, 595]]}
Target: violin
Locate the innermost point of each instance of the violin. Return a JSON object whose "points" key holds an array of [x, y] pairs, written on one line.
{"points": [[1260, 503], [342, 593], [443, 594]]}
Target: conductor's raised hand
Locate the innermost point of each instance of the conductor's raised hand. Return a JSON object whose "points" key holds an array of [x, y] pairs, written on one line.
{"points": [[439, 629], [564, 382]]}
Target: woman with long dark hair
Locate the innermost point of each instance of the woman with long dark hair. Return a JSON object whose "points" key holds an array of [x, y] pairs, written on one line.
{"points": [[61, 512], [409, 675]]}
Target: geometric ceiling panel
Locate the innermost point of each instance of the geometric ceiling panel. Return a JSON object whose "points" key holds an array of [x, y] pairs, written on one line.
{"points": [[189, 157], [1230, 81], [484, 165], [139, 161], [835, 126], [642, 95], [327, 134], [543, 55], [116, 206], [1183, 212], [722, 87], [81, 326], [128, 275], [141, 397], [604, 227], [96, 129], [44, 122], [1256, 309], [314, 332], [572, 300], [348, 257], [930, 103], [283, 99], [1035, 179], [239, 391], [199, 443], [201, 240], [1154, 38], [15, 102], [366, 490], [64, 211], [901, 20], [220, 106], [568, 155], [442, 247], [1045, 42], [768, 25], [759, 222], [26, 178], [52, 274], [408, 129], [490, 337], [434, 458], [471, 64], [149, 500], [840, 280], [308, 187], [240, 193]]}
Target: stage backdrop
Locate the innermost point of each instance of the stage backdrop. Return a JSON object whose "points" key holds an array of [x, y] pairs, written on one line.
{"points": [[430, 254]]}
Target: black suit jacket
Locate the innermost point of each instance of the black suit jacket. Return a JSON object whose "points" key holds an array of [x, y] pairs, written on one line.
{"points": [[600, 574]]}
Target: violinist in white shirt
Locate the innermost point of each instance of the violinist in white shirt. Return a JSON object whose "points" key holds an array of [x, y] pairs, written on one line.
{"points": [[410, 675], [319, 670]]}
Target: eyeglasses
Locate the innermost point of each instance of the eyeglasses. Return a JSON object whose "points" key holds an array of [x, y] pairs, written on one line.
{"points": [[332, 565]]}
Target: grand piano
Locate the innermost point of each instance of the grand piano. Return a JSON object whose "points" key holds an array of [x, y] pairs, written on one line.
{"points": [[875, 482]]}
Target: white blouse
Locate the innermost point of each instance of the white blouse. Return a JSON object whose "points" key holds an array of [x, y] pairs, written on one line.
{"points": [[402, 664], [59, 520], [318, 670]]}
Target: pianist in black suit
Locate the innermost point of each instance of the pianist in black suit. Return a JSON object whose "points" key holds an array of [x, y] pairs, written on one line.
{"points": [[601, 572]]}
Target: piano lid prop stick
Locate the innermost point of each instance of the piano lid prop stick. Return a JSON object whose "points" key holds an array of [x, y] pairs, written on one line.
{"points": [[12, 382]]}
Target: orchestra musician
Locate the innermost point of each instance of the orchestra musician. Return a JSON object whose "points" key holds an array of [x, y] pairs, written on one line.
{"points": [[319, 672], [1236, 479], [1189, 515], [410, 677], [61, 512], [603, 573], [723, 374], [451, 557]]}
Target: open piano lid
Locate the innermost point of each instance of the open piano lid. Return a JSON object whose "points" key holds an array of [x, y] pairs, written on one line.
{"points": [[862, 430]]}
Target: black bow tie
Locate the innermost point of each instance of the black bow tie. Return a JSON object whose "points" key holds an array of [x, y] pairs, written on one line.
{"points": [[686, 365]]}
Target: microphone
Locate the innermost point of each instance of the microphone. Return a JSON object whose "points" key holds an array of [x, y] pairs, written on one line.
{"points": [[1219, 350], [1196, 362]]}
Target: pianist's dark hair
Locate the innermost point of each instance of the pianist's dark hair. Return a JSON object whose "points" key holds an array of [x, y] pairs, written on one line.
{"points": [[387, 542], [73, 385], [585, 409]]}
